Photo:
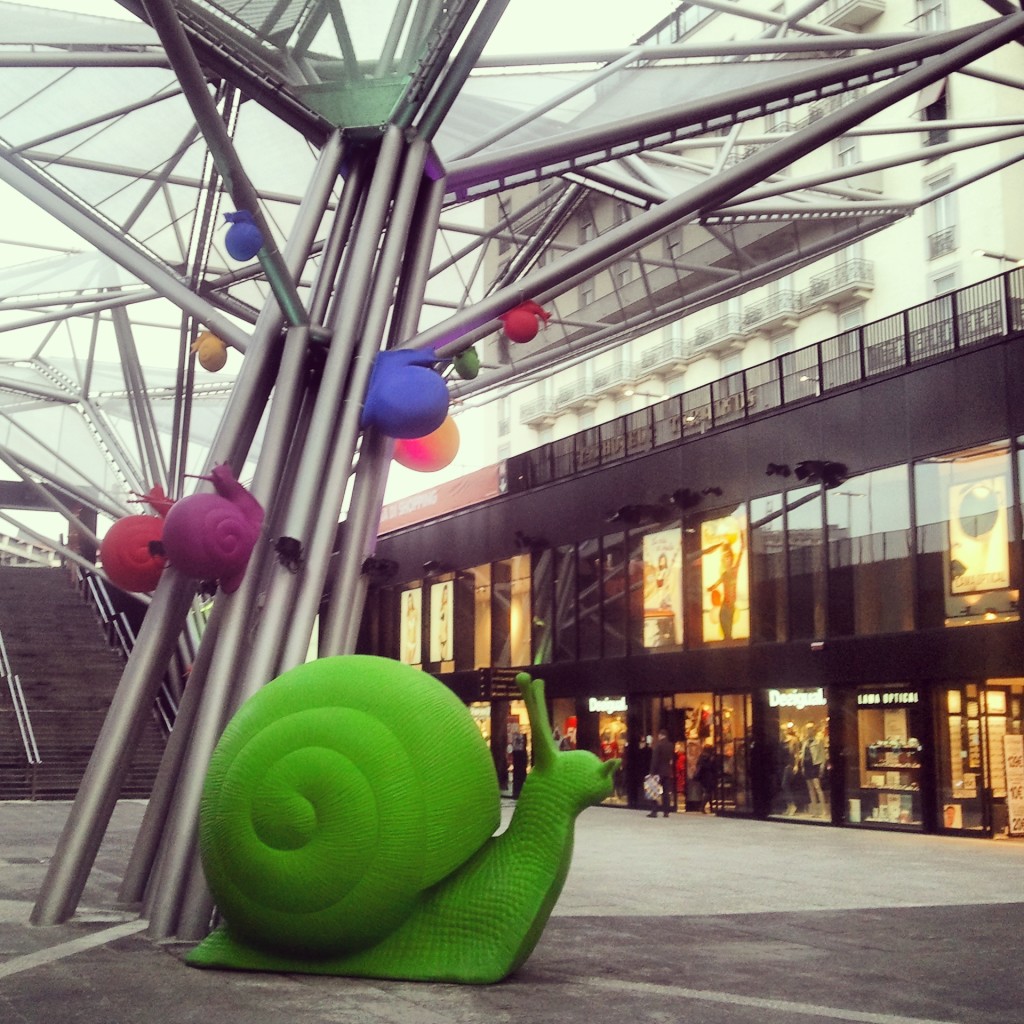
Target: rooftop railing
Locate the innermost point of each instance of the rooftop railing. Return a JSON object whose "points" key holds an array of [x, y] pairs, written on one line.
{"points": [[979, 313]]}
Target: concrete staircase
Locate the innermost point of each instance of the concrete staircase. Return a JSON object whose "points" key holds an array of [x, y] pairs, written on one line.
{"points": [[68, 673]]}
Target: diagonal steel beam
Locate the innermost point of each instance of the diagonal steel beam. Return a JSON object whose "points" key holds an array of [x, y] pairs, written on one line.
{"points": [[33, 185], [574, 150], [192, 79], [459, 332]]}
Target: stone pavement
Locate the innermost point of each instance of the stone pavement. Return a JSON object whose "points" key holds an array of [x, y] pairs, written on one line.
{"points": [[687, 919]]}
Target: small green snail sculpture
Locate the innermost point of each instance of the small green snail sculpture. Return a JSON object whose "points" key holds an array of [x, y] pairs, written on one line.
{"points": [[348, 827]]}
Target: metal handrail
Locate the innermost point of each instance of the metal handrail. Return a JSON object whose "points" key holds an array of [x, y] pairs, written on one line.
{"points": [[121, 635], [21, 715]]}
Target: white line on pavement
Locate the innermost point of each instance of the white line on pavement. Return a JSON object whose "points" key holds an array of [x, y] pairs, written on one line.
{"points": [[65, 949], [779, 1005]]}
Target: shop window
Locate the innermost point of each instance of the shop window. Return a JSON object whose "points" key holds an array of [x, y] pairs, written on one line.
{"points": [[806, 549], [411, 626], [964, 534], [800, 761], [542, 578], [767, 563], [720, 589], [981, 758], [715, 725], [566, 631], [602, 729], [588, 572], [886, 769], [563, 722], [481, 577], [442, 627], [510, 612], [869, 558], [518, 747], [658, 590], [614, 595]]}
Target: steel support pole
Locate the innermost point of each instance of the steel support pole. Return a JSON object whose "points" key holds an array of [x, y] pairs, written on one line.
{"points": [[90, 813], [342, 452], [307, 490], [339, 628], [138, 397], [224, 634], [101, 784], [227, 654], [603, 142], [144, 852]]}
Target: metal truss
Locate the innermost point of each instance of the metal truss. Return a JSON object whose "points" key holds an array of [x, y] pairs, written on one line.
{"points": [[407, 195]]}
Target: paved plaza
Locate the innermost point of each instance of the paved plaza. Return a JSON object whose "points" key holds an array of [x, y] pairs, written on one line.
{"points": [[687, 919]]}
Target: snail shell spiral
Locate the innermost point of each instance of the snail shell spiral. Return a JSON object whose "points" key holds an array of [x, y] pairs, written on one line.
{"points": [[208, 537], [336, 796]]}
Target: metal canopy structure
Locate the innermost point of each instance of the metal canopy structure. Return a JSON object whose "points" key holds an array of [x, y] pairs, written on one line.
{"points": [[410, 188]]}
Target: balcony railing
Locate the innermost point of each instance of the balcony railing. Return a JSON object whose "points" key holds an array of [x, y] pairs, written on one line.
{"points": [[852, 281], [778, 312], [665, 359], [721, 333], [973, 315], [941, 242]]}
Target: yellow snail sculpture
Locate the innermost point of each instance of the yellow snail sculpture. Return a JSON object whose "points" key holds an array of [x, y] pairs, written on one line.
{"points": [[211, 352], [347, 827]]}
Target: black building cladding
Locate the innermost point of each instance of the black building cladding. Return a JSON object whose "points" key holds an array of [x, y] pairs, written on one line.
{"points": [[826, 550]]}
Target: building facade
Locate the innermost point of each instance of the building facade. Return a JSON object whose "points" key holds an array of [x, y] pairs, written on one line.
{"points": [[923, 151], [812, 566]]}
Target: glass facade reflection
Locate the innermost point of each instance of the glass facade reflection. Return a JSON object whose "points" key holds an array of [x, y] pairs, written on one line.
{"points": [[896, 552]]}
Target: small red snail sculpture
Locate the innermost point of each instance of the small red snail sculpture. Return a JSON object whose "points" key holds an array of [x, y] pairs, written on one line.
{"points": [[130, 553], [522, 322], [211, 536]]}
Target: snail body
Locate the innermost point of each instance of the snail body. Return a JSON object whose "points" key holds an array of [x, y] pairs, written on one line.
{"points": [[347, 827], [211, 536]]}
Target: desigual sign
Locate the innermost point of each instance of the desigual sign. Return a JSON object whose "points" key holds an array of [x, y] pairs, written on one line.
{"points": [[798, 699], [609, 705]]}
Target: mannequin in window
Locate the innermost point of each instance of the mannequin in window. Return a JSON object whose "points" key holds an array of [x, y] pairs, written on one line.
{"points": [[812, 758], [728, 581]]}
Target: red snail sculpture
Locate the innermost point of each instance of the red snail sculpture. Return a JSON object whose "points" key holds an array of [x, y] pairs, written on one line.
{"points": [[129, 553], [522, 322]]}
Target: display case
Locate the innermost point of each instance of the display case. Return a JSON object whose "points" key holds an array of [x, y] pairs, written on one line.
{"points": [[885, 780], [894, 778]]}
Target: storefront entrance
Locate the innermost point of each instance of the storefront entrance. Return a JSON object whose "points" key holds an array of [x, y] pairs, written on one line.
{"points": [[981, 758], [714, 725]]}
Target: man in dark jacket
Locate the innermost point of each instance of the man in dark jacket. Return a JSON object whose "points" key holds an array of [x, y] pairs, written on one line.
{"points": [[663, 760]]}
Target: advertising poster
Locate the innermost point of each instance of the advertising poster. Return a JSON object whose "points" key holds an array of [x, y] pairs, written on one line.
{"points": [[441, 595], [663, 580], [1013, 756], [409, 638], [724, 579], [979, 548]]}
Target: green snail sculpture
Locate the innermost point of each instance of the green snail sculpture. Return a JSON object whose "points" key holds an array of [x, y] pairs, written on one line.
{"points": [[348, 827]]}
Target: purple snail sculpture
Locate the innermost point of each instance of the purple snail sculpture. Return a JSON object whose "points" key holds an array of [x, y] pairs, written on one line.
{"points": [[211, 536], [406, 397]]}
